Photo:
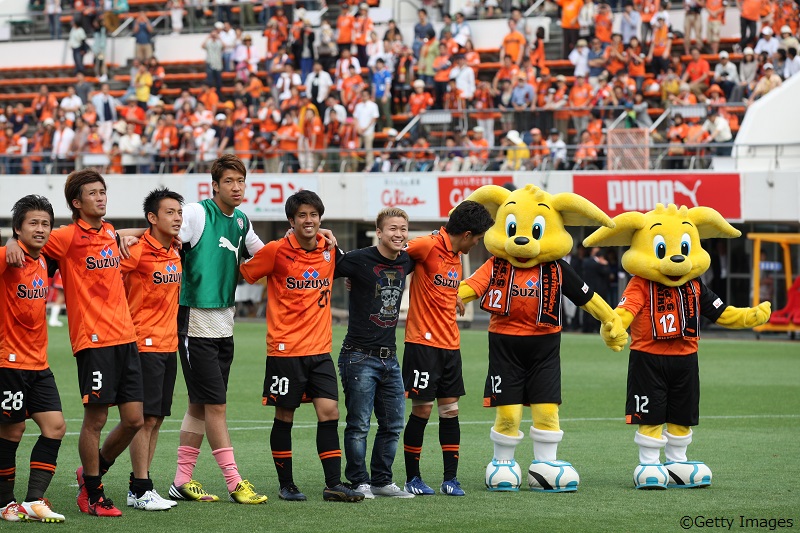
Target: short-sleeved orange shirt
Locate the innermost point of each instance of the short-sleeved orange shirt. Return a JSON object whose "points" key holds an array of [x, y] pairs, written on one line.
{"points": [[433, 292], [23, 326], [298, 295], [89, 261], [751, 9], [514, 45], [152, 276], [570, 9]]}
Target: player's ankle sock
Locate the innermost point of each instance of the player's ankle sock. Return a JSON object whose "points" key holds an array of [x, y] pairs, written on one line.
{"points": [[412, 444], [140, 486], [105, 464], [94, 486], [329, 452], [43, 466], [8, 470], [280, 441], [227, 464], [187, 459], [55, 311], [449, 438]]}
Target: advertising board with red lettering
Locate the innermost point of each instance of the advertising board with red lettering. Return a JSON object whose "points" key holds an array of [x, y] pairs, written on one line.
{"points": [[264, 196], [416, 194], [617, 193], [453, 189]]}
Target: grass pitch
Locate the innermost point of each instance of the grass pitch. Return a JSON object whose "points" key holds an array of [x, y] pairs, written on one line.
{"points": [[750, 423]]}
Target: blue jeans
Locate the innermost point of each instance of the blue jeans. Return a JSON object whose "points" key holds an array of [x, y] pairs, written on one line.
{"points": [[371, 382]]}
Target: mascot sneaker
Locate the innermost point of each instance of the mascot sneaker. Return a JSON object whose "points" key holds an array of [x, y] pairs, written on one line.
{"points": [[553, 476], [688, 475], [650, 477], [503, 476]]}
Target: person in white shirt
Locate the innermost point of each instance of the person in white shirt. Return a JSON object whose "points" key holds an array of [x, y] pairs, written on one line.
{"points": [[228, 37], [71, 104], [334, 107], [719, 131], [464, 77], [726, 75], [318, 85], [62, 141], [580, 58], [342, 69], [462, 32], [246, 57], [767, 43], [558, 149], [130, 146], [792, 64], [288, 79], [207, 144], [366, 115]]}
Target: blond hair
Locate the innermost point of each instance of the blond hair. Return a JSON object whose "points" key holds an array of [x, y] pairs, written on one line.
{"points": [[389, 212]]}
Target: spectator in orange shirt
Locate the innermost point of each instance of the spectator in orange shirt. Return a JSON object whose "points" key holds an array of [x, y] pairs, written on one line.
{"points": [[288, 137], [603, 22], [684, 96], [351, 88], [419, 102], [507, 72], [748, 22], [636, 63], [570, 9], [209, 98], [344, 29], [311, 142], [616, 54], [537, 51], [479, 151], [44, 104], [697, 74], [538, 148], [660, 46], [441, 76], [716, 19], [579, 97], [586, 154], [242, 141], [514, 44]]}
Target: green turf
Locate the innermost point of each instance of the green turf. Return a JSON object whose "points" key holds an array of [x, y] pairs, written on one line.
{"points": [[748, 435]]}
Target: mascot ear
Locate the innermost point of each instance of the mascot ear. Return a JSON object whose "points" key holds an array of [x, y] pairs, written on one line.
{"points": [[619, 235], [711, 225], [578, 211], [489, 196]]}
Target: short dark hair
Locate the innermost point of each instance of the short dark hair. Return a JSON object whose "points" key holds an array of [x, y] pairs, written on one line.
{"points": [[226, 162], [152, 202], [73, 187], [299, 198], [469, 216], [26, 204]]}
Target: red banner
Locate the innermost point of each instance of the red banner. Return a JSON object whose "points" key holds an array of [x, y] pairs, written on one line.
{"points": [[617, 193], [453, 189]]}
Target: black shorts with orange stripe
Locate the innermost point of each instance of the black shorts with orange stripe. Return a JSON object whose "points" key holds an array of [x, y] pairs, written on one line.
{"points": [[27, 392], [290, 381], [663, 389], [110, 374], [523, 370], [430, 373]]}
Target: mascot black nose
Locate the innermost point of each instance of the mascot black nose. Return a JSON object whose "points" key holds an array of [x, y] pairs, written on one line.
{"points": [[522, 241], [677, 259]]}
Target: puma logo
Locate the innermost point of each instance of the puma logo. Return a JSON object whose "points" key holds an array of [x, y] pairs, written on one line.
{"points": [[228, 245], [680, 188], [279, 465], [95, 393]]}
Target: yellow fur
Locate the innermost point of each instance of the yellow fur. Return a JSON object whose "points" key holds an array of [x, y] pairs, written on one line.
{"points": [[747, 317], [678, 431], [651, 431], [507, 419], [545, 416]]}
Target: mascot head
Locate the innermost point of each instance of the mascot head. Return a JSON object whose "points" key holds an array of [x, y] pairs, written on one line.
{"points": [[529, 222], [665, 242]]}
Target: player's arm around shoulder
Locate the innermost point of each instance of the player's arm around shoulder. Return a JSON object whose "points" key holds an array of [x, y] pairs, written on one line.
{"points": [[131, 263], [419, 247], [261, 264]]}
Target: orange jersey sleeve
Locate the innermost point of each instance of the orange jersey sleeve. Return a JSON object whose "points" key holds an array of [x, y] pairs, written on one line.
{"points": [[298, 296], [433, 292], [89, 261], [23, 326], [152, 277]]}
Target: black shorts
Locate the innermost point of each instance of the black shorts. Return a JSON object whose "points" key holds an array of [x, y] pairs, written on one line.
{"points": [[206, 365], [290, 381], [26, 392], [523, 370], [663, 389], [110, 375], [430, 373], [159, 370]]}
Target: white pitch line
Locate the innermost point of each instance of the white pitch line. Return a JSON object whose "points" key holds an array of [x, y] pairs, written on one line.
{"points": [[462, 422]]}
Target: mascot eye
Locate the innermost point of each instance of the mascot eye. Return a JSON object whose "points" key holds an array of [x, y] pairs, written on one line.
{"points": [[511, 225], [538, 227], [686, 244], [660, 246]]}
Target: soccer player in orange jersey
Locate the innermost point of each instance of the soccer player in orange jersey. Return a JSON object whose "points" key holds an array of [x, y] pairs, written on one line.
{"points": [[29, 388], [152, 277], [432, 359], [101, 332], [299, 270]]}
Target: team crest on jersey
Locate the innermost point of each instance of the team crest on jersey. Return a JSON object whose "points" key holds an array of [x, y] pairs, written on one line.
{"points": [[36, 291], [170, 275], [240, 221], [528, 289], [107, 259], [310, 279], [327, 256]]}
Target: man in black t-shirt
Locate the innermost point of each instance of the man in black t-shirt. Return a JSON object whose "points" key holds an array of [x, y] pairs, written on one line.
{"points": [[371, 376]]}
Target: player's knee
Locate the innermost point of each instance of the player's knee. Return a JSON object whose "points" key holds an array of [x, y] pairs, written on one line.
{"points": [[421, 408], [95, 418], [448, 410], [149, 423], [12, 432], [132, 422], [55, 430], [191, 424]]}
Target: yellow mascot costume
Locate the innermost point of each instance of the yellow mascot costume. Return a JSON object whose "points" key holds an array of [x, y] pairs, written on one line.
{"points": [[662, 304], [521, 286]]}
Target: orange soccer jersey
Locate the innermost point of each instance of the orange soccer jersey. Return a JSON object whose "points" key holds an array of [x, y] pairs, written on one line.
{"points": [[152, 276], [89, 261], [23, 326], [298, 296], [434, 289]]}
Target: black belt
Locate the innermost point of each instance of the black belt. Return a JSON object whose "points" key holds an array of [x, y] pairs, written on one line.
{"points": [[381, 352]]}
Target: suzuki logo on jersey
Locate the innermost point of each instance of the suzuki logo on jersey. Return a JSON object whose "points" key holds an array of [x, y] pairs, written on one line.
{"points": [[36, 291], [170, 275], [106, 259], [448, 280], [310, 280], [529, 289]]}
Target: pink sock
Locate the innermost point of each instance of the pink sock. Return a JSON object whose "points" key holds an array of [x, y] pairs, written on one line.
{"points": [[227, 464], [187, 459]]}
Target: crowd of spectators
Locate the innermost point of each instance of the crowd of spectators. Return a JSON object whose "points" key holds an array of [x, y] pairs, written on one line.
{"points": [[317, 98]]}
